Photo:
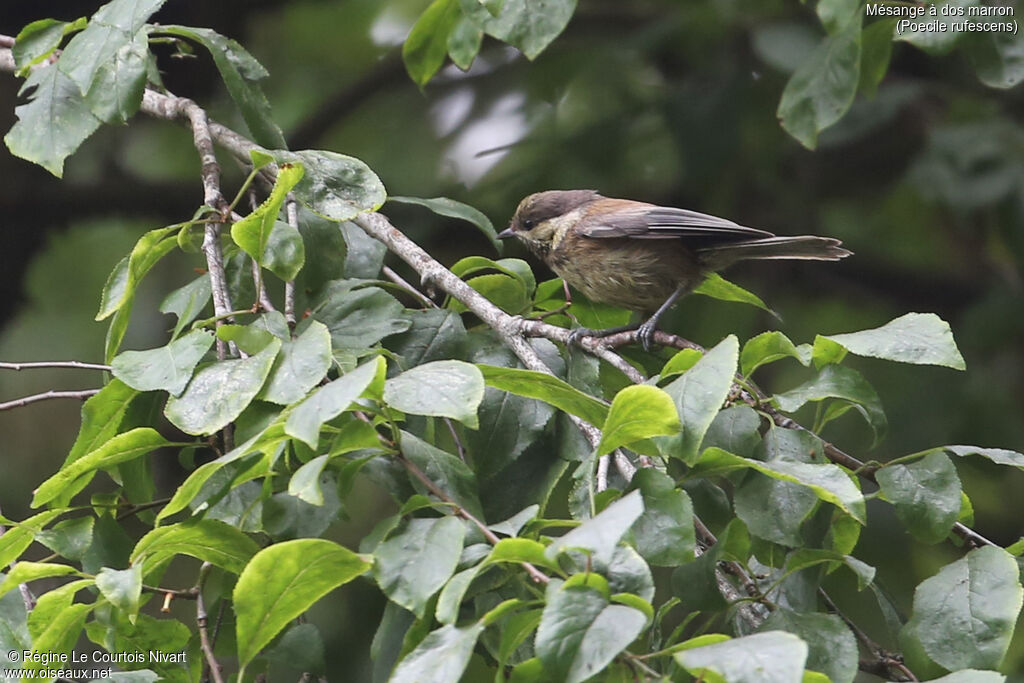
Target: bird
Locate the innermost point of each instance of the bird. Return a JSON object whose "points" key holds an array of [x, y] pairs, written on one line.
{"points": [[642, 256]]}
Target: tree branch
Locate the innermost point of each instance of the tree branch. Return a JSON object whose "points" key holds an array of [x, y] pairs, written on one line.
{"points": [[47, 395]]}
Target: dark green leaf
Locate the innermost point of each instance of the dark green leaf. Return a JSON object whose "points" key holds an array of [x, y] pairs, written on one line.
{"points": [[832, 649], [581, 632], [773, 509], [443, 206], [964, 615], [116, 90], [101, 417], [335, 186], [240, 71], [450, 474], [998, 58], [60, 635], [822, 89], [435, 334], [424, 50], [70, 538], [735, 429], [219, 392], [359, 318], [699, 395], [926, 494], [842, 383], [168, 368], [1000, 456], [773, 657], [283, 581], [875, 55], [828, 482], [920, 338], [285, 254], [75, 476], [205, 539], [638, 412], [300, 366], [464, 43], [443, 388], [418, 559], [39, 39], [54, 123], [599, 536], [926, 36], [664, 532], [122, 587], [187, 302]]}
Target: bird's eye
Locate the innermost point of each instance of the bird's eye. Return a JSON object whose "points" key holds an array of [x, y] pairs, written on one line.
{"points": [[528, 223]]}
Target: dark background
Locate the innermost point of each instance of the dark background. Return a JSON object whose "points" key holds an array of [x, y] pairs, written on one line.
{"points": [[662, 101]]}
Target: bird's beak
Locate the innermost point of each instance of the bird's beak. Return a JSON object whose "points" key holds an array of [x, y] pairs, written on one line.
{"points": [[505, 234]]}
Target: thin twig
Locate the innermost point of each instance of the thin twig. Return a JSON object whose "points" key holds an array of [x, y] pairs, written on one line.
{"points": [[292, 212], [404, 284], [54, 364], [201, 621], [47, 395]]}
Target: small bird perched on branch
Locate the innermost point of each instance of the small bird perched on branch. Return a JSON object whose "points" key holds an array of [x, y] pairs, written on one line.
{"points": [[642, 256]]}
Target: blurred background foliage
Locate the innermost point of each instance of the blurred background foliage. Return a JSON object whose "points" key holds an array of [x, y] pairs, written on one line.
{"points": [[659, 100]]}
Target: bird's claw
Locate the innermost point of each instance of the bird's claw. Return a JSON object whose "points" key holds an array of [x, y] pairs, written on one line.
{"points": [[645, 334], [576, 336]]}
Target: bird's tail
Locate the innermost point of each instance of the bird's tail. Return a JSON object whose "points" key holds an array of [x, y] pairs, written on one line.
{"points": [[808, 247]]}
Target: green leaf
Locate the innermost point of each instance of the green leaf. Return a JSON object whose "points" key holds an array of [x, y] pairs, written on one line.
{"points": [[464, 43], [835, 14], [581, 632], [441, 656], [252, 233], [168, 368], [599, 535], [39, 39], [443, 388], [70, 538], [418, 559], [240, 72], [638, 412], [846, 384], [75, 476], [919, 338], [999, 456], [832, 649], [664, 533], [971, 676], [219, 392], [19, 536], [424, 50], [305, 483], [822, 88], [52, 603], [283, 581], [335, 186], [773, 657], [101, 417], [875, 54], [300, 366], [359, 317], [187, 302], [434, 334], [23, 572], [940, 41], [680, 363], [926, 493], [520, 550], [112, 27], [810, 557], [443, 206], [828, 482], [964, 615], [525, 24], [699, 395], [60, 635], [122, 588], [769, 347], [205, 539], [717, 287], [998, 58], [285, 254], [115, 94], [448, 472], [773, 509], [331, 400], [547, 388], [54, 123]]}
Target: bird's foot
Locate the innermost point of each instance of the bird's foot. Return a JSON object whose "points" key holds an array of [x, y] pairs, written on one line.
{"points": [[645, 334], [579, 333]]}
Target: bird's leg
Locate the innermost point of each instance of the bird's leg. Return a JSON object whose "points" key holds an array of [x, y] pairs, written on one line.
{"points": [[645, 333]]}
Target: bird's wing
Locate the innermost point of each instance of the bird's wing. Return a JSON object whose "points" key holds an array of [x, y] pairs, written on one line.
{"points": [[661, 222]]}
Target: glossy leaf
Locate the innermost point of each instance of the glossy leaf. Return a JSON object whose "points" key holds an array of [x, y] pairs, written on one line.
{"points": [[443, 206], [842, 383], [449, 473], [206, 539], [37, 40], [638, 412], [599, 536], [331, 400], [664, 533], [545, 387], [359, 317], [832, 648], [301, 365], [442, 656], [122, 587], [769, 347], [424, 50], [252, 233], [335, 186], [717, 287], [529, 26], [283, 581], [936, 41], [75, 476]]}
